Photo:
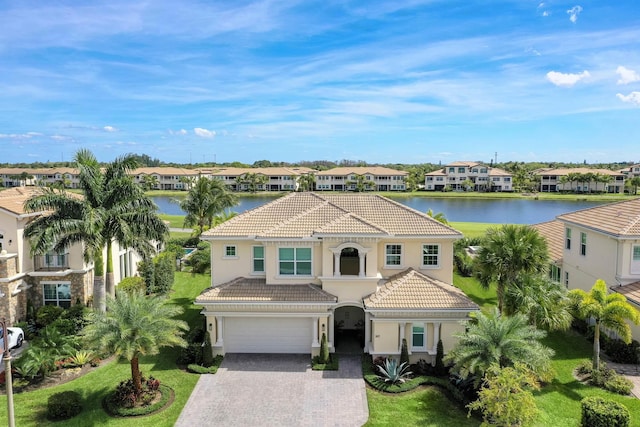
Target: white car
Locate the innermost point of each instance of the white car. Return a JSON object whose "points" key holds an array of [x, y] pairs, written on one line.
{"points": [[15, 338]]}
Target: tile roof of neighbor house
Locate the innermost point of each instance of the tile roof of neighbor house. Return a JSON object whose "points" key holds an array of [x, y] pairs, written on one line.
{"points": [[306, 215], [13, 199], [439, 172], [164, 171], [362, 170], [620, 219], [566, 171], [631, 291], [271, 171], [256, 290], [413, 290], [553, 232], [463, 163], [498, 172]]}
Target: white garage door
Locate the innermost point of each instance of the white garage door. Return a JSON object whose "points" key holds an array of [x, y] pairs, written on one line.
{"points": [[267, 334]]}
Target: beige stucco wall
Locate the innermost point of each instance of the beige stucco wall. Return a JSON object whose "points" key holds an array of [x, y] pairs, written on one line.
{"points": [[412, 257], [384, 338], [447, 329], [600, 261]]}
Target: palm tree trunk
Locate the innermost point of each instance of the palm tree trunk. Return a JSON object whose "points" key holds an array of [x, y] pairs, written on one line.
{"points": [[99, 300], [110, 286], [136, 376], [500, 292], [596, 346]]}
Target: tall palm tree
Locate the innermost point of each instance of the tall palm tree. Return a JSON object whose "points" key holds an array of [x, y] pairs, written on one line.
{"points": [[497, 340], [542, 300], [134, 326], [507, 254], [306, 182], [113, 209], [608, 310], [206, 198], [361, 183]]}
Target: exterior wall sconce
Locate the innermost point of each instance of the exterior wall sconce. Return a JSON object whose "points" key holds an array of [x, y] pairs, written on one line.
{"points": [[210, 326], [323, 327]]}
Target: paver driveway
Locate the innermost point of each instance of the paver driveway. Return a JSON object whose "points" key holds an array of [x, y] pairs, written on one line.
{"points": [[277, 390]]}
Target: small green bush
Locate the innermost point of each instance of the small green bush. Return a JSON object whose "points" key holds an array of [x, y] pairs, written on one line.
{"points": [[439, 368], [599, 412], [64, 405], [619, 384], [324, 349], [330, 365], [47, 314], [621, 352], [111, 404], [584, 367], [132, 284], [197, 369]]}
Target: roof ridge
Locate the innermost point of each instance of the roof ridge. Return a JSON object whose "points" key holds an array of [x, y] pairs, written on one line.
{"points": [[294, 218], [415, 211]]}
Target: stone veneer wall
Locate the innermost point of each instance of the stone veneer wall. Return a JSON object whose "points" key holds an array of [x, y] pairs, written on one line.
{"points": [[81, 287], [12, 307]]}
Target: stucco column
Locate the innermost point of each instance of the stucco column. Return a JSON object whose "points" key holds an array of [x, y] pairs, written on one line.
{"points": [[219, 324], [331, 336], [315, 332], [436, 335], [361, 256], [336, 264], [402, 328], [367, 330]]}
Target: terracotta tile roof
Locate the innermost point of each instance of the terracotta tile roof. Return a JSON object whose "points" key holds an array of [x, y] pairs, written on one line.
{"points": [[439, 172], [413, 290], [498, 172], [553, 232], [300, 215], [256, 290], [631, 291], [362, 170], [466, 163], [566, 171], [13, 199], [272, 171], [620, 219], [164, 171]]}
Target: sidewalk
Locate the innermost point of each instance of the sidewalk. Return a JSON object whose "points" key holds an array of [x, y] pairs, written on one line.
{"points": [[631, 372]]}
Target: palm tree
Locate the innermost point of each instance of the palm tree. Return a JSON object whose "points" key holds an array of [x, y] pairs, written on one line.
{"points": [[542, 300], [134, 326], [149, 182], [608, 310], [635, 183], [361, 183], [440, 217], [497, 340], [306, 182], [207, 198], [507, 254], [113, 209]]}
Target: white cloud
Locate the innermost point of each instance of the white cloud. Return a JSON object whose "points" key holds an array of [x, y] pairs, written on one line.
{"points": [[574, 12], [204, 133], [60, 138], [110, 129], [626, 75], [178, 132], [566, 79], [632, 98], [546, 13]]}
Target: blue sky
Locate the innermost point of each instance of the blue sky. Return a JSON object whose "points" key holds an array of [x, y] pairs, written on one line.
{"points": [[398, 81]]}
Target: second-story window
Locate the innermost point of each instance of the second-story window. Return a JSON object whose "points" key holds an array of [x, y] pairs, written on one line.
{"points": [[294, 261], [393, 255], [567, 244], [230, 251], [430, 255], [583, 243], [258, 259]]}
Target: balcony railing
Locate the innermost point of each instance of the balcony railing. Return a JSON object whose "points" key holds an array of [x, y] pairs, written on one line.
{"points": [[51, 262]]}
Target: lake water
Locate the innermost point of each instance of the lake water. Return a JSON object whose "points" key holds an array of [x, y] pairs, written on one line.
{"points": [[458, 209]]}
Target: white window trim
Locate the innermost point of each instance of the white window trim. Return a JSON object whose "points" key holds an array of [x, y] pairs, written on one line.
{"points": [[394, 266], [253, 259], [224, 252], [423, 348], [295, 261], [583, 244], [634, 266], [429, 266], [567, 239]]}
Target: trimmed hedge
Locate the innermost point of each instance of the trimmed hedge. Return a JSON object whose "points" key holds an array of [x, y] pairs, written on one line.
{"points": [[63, 405], [599, 412], [198, 369], [329, 365]]}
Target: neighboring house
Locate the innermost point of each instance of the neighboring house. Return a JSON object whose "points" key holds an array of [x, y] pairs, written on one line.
{"points": [[468, 176], [20, 177], [602, 242], [369, 178], [583, 180], [361, 268], [631, 171], [275, 178], [51, 279], [165, 178]]}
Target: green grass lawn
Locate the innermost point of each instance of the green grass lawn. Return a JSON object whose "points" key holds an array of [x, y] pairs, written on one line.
{"points": [[472, 229], [30, 407]]}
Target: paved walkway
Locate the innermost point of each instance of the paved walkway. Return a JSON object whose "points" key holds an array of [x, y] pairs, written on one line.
{"points": [[631, 372], [278, 390]]}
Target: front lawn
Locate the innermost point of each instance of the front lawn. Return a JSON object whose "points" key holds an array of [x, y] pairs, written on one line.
{"points": [[30, 406]]}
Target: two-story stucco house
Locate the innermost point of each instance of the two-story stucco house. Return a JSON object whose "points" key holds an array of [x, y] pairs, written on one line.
{"points": [[60, 279], [465, 175], [602, 242], [353, 266]]}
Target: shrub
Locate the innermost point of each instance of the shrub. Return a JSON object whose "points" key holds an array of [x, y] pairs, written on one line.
{"points": [[207, 352], [64, 326], [77, 314], [621, 352], [81, 358], [404, 353], [331, 364], [392, 372], [585, 367], [379, 361], [132, 284], [47, 314], [439, 368], [600, 376], [197, 369], [36, 362], [324, 349], [599, 412], [422, 367], [165, 268], [63, 405], [147, 408], [618, 384]]}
